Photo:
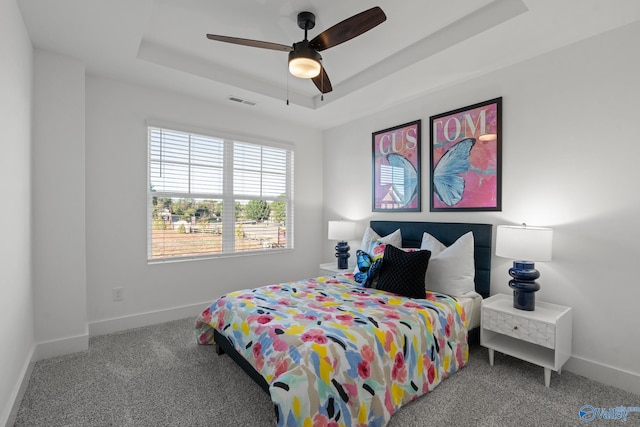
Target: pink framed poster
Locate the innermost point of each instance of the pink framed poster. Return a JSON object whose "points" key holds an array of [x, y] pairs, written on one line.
{"points": [[396, 168], [466, 149]]}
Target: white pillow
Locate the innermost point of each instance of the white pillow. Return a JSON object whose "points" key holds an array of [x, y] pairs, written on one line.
{"points": [[371, 236], [451, 269]]}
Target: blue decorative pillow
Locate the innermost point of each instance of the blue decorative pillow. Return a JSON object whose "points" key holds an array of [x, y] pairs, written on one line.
{"points": [[373, 272], [364, 264]]}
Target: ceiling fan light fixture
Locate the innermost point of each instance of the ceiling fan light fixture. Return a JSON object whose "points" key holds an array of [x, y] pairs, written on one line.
{"points": [[304, 61], [305, 68]]}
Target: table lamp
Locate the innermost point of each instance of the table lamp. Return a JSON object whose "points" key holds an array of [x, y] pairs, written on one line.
{"points": [[527, 245], [342, 231]]}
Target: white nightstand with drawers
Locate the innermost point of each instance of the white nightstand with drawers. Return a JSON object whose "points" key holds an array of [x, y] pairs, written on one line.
{"points": [[542, 336]]}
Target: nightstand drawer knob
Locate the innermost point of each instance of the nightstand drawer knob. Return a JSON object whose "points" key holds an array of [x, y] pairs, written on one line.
{"points": [[515, 328]]}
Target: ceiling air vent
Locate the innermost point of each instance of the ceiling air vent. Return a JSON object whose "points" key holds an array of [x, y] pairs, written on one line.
{"points": [[240, 100]]}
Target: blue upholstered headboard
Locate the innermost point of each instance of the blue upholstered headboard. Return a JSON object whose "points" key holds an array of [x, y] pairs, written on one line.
{"points": [[447, 233]]}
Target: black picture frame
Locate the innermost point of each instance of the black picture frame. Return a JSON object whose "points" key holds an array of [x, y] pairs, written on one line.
{"points": [[465, 148], [396, 177]]}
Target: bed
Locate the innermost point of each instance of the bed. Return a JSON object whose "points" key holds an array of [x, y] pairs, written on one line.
{"points": [[330, 351]]}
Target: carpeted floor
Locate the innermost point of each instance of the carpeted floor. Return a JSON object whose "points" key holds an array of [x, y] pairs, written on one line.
{"points": [[159, 376]]}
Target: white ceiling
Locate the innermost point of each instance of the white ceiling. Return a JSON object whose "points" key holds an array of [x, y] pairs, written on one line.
{"points": [[422, 46]]}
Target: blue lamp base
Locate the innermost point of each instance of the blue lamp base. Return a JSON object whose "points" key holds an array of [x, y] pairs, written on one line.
{"points": [[342, 253], [524, 285]]}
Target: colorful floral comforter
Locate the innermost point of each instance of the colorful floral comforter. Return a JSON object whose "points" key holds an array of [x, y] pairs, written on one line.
{"points": [[337, 354]]}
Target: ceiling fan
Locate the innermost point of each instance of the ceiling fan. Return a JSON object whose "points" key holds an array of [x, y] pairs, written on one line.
{"points": [[304, 59]]}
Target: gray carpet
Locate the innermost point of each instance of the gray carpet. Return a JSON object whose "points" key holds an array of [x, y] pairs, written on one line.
{"points": [[159, 376]]}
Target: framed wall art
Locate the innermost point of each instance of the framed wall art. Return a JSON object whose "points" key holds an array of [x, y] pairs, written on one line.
{"points": [[396, 168], [466, 150]]}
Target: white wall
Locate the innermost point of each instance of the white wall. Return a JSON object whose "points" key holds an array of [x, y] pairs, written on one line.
{"points": [[570, 155], [16, 293], [59, 271], [116, 227]]}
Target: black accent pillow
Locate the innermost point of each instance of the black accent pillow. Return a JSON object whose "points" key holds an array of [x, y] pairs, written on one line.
{"points": [[403, 272]]}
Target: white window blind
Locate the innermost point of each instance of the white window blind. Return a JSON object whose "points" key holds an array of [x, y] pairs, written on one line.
{"points": [[211, 196]]}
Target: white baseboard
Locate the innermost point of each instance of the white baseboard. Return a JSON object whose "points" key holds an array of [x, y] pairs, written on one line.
{"points": [[10, 412], [108, 326], [62, 346], [608, 375]]}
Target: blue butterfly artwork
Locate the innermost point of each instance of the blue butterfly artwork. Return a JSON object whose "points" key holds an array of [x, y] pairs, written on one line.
{"points": [[407, 190], [447, 182]]}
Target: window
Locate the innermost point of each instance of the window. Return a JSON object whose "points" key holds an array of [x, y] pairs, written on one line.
{"points": [[215, 196]]}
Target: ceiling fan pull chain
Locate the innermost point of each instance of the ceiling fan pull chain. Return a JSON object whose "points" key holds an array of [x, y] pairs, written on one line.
{"points": [[287, 73]]}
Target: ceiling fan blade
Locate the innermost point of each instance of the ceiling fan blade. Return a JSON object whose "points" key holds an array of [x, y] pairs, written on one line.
{"points": [[349, 28], [322, 81], [249, 42]]}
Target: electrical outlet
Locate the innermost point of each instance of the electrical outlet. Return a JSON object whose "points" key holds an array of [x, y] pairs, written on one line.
{"points": [[118, 294]]}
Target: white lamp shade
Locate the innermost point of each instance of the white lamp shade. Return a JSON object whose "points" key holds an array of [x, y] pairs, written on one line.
{"points": [[524, 243], [342, 230]]}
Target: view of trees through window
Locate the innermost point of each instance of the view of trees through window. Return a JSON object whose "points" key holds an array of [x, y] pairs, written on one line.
{"points": [[191, 227]]}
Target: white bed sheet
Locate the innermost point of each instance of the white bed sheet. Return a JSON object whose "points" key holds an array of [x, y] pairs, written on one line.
{"points": [[471, 302]]}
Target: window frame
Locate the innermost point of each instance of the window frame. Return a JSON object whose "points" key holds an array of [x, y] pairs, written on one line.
{"points": [[227, 196]]}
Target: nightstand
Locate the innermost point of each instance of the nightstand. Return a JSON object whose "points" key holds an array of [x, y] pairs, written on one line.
{"points": [[331, 269], [542, 336]]}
